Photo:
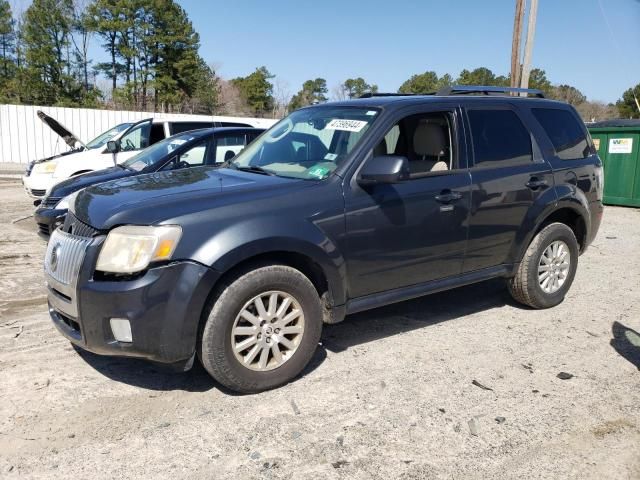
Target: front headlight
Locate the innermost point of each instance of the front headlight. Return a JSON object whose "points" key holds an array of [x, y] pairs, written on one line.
{"points": [[131, 249], [45, 167], [66, 201]]}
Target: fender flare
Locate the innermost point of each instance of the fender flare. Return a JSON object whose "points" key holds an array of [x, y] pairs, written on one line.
{"points": [[573, 202], [242, 241]]}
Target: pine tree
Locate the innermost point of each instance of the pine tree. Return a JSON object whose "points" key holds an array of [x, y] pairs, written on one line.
{"points": [[7, 43], [356, 87], [256, 90], [46, 36], [313, 91]]}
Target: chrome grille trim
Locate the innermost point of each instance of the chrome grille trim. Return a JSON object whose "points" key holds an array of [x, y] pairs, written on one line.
{"points": [[70, 251], [77, 228]]}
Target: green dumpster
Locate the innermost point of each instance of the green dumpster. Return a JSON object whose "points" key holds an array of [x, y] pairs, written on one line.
{"points": [[618, 144]]}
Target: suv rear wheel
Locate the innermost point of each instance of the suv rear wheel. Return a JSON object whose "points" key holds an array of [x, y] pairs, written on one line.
{"points": [[262, 329], [547, 268]]}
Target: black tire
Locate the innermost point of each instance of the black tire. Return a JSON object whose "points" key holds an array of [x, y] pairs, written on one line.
{"points": [[525, 287], [215, 345]]}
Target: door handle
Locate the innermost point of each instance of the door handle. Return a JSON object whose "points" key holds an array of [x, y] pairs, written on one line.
{"points": [[448, 196], [536, 183]]}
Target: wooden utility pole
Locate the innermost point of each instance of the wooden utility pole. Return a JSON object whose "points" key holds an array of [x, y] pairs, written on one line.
{"points": [[528, 46], [515, 44]]}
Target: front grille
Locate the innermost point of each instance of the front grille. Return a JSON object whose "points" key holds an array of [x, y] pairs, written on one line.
{"points": [[74, 226], [44, 229], [50, 201], [36, 192], [64, 256]]}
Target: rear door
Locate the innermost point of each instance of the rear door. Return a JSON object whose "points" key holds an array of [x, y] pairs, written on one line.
{"points": [[509, 176]]}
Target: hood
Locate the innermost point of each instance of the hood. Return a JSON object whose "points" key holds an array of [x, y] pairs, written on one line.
{"points": [[73, 184], [69, 138], [152, 198]]}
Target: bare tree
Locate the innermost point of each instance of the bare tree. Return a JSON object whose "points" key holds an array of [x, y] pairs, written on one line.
{"points": [[230, 100], [339, 92], [282, 97], [596, 111]]}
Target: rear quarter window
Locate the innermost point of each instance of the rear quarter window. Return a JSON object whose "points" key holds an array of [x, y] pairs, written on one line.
{"points": [[565, 132], [499, 138]]}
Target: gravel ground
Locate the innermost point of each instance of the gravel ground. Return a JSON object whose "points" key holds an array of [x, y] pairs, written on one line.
{"points": [[389, 394]]}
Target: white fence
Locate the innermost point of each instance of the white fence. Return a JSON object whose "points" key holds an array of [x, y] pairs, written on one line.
{"points": [[24, 137]]}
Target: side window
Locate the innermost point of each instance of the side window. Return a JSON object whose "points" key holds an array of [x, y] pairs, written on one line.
{"points": [[499, 138], [426, 141], [157, 133], [228, 146], [179, 127], [194, 156], [137, 138], [565, 133]]}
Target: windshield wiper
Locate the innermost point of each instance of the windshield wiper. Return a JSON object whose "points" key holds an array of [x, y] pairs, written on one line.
{"points": [[254, 169]]}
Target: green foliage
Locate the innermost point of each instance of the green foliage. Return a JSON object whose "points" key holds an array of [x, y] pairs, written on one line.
{"points": [[153, 51], [7, 43], [356, 87], [538, 79], [313, 91], [627, 106], [426, 82], [48, 76], [256, 90], [482, 76]]}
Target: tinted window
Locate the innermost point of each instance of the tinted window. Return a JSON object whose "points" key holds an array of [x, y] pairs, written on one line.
{"points": [[179, 127], [564, 131], [499, 137]]}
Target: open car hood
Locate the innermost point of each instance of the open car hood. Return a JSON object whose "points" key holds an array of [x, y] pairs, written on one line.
{"points": [[69, 138]]}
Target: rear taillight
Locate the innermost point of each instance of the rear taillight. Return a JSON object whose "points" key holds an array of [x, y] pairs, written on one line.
{"points": [[599, 174]]}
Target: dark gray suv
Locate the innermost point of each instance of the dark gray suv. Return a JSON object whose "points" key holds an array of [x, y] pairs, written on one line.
{"points": [[338, 208]]}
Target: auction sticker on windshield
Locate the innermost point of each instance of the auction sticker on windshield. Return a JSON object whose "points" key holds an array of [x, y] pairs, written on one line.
{"points": [[346, 125]]}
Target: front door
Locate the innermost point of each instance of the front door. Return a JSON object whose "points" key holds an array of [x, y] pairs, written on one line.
{"points": [[132, 141], [415, 231]]}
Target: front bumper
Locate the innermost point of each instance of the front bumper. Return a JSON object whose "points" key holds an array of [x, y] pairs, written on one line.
{"points": [[48, 219], [163, 305], [37, 185]]}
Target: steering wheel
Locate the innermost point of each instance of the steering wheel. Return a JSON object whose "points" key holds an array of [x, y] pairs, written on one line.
{"points": [[129, 145], [183, 164]]}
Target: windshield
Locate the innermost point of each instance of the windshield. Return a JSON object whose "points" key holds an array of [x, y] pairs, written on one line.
{"points": [[104, 137], [158, 152], [308, 144]]}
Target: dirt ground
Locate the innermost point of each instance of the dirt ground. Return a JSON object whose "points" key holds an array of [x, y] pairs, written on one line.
{"points": [[389, 394]]}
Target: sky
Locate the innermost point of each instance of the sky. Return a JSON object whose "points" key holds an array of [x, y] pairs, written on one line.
{"points": [[593, 45]]}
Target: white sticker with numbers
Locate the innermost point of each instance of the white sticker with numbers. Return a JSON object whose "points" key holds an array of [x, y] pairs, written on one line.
{"points": [[346, 125]]}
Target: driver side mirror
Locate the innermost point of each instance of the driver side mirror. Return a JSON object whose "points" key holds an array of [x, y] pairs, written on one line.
{"points": [[113, 146], [384, 169]]}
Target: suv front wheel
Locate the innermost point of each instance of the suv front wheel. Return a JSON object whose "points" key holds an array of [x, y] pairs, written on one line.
{"points": [[262, 329], [547, 268]]}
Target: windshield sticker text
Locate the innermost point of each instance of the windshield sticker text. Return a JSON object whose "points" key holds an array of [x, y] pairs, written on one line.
{"points": [[346, 125]]}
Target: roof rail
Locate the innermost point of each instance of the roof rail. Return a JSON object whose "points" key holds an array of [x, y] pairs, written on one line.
{"points": [[486, 90], [383, 94]]}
